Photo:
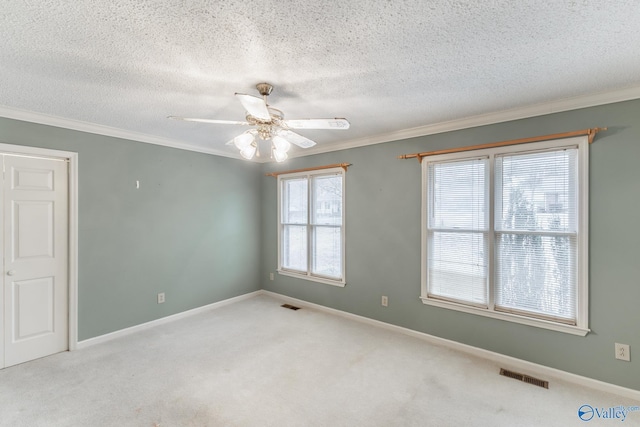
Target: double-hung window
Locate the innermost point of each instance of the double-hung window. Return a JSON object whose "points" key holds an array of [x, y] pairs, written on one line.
{"points": [[505, 233], [311, 234]]}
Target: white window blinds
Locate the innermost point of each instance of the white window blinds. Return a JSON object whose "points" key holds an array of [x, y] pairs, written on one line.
{"points": [[536, 233], [505, 233], [457, 230]]}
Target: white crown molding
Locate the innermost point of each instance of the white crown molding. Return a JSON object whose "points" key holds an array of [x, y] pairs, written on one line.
{"points": [[61, 122], [561, 105], [558, 106], [504, 361]]}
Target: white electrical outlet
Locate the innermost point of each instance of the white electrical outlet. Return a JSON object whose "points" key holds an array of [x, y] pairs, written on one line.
{"points": [[385, 301], [623, 352], [270, 276], [161, 298]]}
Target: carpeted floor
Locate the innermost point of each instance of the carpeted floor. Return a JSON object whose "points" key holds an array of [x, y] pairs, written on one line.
{"points": [[254, 363]]}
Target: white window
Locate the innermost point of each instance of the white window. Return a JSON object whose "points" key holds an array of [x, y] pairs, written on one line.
{"points": [[505, 233], [311, 225]]}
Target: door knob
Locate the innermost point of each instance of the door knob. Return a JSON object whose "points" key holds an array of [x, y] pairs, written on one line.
{"points": [[11, 272]]}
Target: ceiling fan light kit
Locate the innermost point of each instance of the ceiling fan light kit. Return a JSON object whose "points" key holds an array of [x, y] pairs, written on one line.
{"points": [[243, 140], [281, 144], [269, 124], [248, 152]]}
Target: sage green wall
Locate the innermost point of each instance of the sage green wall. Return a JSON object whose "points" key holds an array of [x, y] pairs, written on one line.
{"points": [[201, 225], [383, 198], [191, 230]]}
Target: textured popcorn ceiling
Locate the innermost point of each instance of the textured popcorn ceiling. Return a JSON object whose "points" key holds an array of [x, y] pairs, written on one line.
{"points": [[385, 65]]}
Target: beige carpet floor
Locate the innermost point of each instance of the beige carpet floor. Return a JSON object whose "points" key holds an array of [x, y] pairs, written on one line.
{"points": [[254, 363]]}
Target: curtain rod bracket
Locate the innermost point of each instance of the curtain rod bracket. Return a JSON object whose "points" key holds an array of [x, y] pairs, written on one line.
{"points": [[593, 132]]}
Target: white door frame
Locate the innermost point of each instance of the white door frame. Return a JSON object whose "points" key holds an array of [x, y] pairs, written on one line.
{"points": [[72, 158]]}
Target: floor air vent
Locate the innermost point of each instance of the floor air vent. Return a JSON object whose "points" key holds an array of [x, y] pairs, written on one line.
{"points": [[524, 378], [290, 307]]}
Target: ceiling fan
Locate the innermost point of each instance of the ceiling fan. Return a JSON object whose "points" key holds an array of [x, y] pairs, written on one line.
{"points": [[269, 123]]}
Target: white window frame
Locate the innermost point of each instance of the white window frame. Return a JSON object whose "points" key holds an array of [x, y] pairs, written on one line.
{"points": [[309, 275], [582, 297]]}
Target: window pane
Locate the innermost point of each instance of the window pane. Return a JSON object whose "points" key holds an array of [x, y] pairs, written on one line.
{"points": [[294, 247], [294, 201], [537, 191], [536, 274], [327, 251], [327, 200], [458, 194], [457, 266]]}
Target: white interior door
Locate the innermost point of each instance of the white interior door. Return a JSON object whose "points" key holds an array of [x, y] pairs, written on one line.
{"points": [[35, 253]]}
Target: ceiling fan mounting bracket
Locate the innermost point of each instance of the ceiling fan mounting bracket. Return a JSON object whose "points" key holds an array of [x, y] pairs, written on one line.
{"points": [[264, 88]]}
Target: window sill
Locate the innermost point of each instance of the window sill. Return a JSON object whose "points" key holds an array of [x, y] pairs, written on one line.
{"points": [[508, 317], [338, 283]]}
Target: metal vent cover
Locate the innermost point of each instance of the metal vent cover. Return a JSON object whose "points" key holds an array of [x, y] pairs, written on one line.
{"points": [[290, 307], [524, 378]]}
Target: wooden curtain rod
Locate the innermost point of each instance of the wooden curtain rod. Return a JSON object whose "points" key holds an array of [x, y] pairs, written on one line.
{"points": [[590, 132], [337, 165]]}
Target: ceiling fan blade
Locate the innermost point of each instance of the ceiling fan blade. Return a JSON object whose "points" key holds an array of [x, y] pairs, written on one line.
{"points": [[296, 138], [254, 106], [341, 124], [219, 122]]}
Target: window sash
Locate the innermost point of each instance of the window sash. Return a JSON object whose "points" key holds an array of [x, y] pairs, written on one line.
{"points": [[459, 275], [326, 251], [294, 248], [547, 293], [461, 203]]}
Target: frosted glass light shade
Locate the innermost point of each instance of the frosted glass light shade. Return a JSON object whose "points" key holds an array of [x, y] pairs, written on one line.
{"points": [[248, 152], [281, 144], [280, 155], [243, 141]]}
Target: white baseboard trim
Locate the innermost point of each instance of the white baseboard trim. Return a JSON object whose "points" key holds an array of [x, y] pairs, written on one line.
{"points": [[127, 331], [509, 362]]}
